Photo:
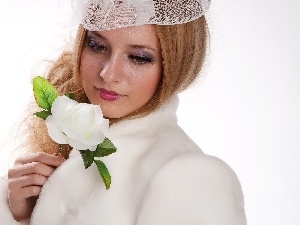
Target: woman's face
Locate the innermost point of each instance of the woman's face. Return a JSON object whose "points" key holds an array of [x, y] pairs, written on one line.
{"points": [[121, 69]]}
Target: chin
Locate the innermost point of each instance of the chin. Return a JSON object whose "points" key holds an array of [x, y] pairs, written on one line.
{"points": [[112, 111], [112, 115]]}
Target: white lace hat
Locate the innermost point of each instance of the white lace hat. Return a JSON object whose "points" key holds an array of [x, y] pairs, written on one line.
{"points": [[96, 15]]}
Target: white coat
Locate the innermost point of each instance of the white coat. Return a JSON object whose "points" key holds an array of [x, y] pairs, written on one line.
{"points": [[159, 177]]}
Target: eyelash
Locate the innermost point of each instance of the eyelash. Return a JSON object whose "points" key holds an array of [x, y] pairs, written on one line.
{"points": [[97, 47], [139, 59]]}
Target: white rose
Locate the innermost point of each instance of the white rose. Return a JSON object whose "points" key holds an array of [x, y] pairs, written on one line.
{"points": [[80, 125]]}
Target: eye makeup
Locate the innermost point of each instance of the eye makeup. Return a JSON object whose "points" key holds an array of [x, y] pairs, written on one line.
{"points": [[137, 54], [141, 58], [95, 42]]}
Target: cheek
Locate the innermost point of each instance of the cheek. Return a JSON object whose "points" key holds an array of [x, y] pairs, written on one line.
{"points": [[86, 62], [148, 84], [89, 67], [84, 65], [155, 81]]}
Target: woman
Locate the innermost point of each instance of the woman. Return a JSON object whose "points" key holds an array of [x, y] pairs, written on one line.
{"points": [[131, 58]]}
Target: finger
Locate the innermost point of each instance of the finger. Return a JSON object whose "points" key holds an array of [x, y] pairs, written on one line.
{"points": [[26, 181], [19, 195], [30, 168], [22, 210], [42, 157]]}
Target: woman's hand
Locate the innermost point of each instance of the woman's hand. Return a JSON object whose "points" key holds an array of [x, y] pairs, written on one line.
{"points": [[26, 179]]}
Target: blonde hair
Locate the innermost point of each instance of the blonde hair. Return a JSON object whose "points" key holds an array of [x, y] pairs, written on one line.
{"points": [[183, 47]]}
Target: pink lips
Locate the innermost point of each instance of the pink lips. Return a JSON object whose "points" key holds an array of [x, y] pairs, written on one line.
{"points": [[109, 95]]}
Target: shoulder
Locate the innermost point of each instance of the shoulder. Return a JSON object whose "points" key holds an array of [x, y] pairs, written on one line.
{"points": [[199, 187], [196, 170], [198, 165]]}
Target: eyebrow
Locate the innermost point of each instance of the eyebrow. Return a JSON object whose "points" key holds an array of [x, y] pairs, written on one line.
{"points": [[143, 46], [132, 46], [98, 35]]}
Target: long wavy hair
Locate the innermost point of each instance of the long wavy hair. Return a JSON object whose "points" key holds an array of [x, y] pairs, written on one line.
{"points": [[183, 49]]}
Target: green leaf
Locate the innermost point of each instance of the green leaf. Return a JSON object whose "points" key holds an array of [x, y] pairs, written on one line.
{"points": [[104, 173], [43, 114], [44, 92], [71, 96], [88, 157], [105, 148]]}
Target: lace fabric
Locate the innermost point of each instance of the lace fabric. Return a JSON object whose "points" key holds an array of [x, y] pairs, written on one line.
{"points": [[96, 15]]}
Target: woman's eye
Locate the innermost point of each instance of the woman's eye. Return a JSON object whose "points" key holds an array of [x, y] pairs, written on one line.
{"points": [[141, 59], [97, 47]]}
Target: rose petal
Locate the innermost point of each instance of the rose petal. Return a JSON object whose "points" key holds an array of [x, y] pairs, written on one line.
{"points": [[61, 105], [82, 124], [54, 132], [79, 146], [98, 134], [100, 129]]}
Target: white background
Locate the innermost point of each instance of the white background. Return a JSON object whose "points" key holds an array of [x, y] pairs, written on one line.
{"points": [[245, 110]]}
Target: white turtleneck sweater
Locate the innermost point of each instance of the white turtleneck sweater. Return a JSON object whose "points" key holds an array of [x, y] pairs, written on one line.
{"points": [[159, 177]]}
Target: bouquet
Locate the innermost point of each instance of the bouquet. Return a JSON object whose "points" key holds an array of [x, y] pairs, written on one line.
{"points": [[80, 125]]}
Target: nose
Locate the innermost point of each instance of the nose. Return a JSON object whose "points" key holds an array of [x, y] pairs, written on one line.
{"points": [[112, 68]]}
